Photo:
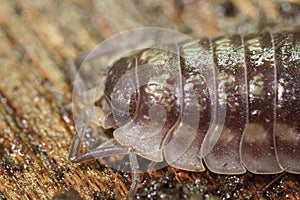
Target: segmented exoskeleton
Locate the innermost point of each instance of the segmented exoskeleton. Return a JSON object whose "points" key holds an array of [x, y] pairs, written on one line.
{"points": [[233, 102]]}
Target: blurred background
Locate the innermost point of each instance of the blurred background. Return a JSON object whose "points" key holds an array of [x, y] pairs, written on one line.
{"points": [[38, 38]]}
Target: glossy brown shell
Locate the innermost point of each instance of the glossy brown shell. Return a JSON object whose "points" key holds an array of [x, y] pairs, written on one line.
{"points": [[252, 122]]}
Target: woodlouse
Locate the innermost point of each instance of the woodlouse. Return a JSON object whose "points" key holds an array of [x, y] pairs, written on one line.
{"points": [[233, 103]]}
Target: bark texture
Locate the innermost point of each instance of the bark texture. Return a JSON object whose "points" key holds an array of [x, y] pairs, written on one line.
{"points": [[37, 38]]}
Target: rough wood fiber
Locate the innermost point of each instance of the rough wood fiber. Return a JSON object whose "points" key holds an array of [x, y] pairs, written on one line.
{"points": [[36, 128]]}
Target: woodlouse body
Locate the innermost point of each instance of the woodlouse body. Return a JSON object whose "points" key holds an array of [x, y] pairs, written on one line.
{"points": [[233, 103]]}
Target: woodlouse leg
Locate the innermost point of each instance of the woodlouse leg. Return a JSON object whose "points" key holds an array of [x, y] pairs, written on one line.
{"points": [[152, 166], [76, 143], [135, 174], [270, 184]]}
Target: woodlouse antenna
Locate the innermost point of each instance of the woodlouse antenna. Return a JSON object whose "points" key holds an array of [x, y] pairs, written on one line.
{"points": [[270, 184]]}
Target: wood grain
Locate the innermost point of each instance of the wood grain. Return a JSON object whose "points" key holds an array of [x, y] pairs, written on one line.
{"points": [[37, 38]]}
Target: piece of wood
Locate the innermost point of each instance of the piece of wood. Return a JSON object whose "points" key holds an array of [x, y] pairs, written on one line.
{"points": [[37, 38]]}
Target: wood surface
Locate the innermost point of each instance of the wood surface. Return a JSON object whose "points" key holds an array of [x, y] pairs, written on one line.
{"points": [[38, 38]]}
